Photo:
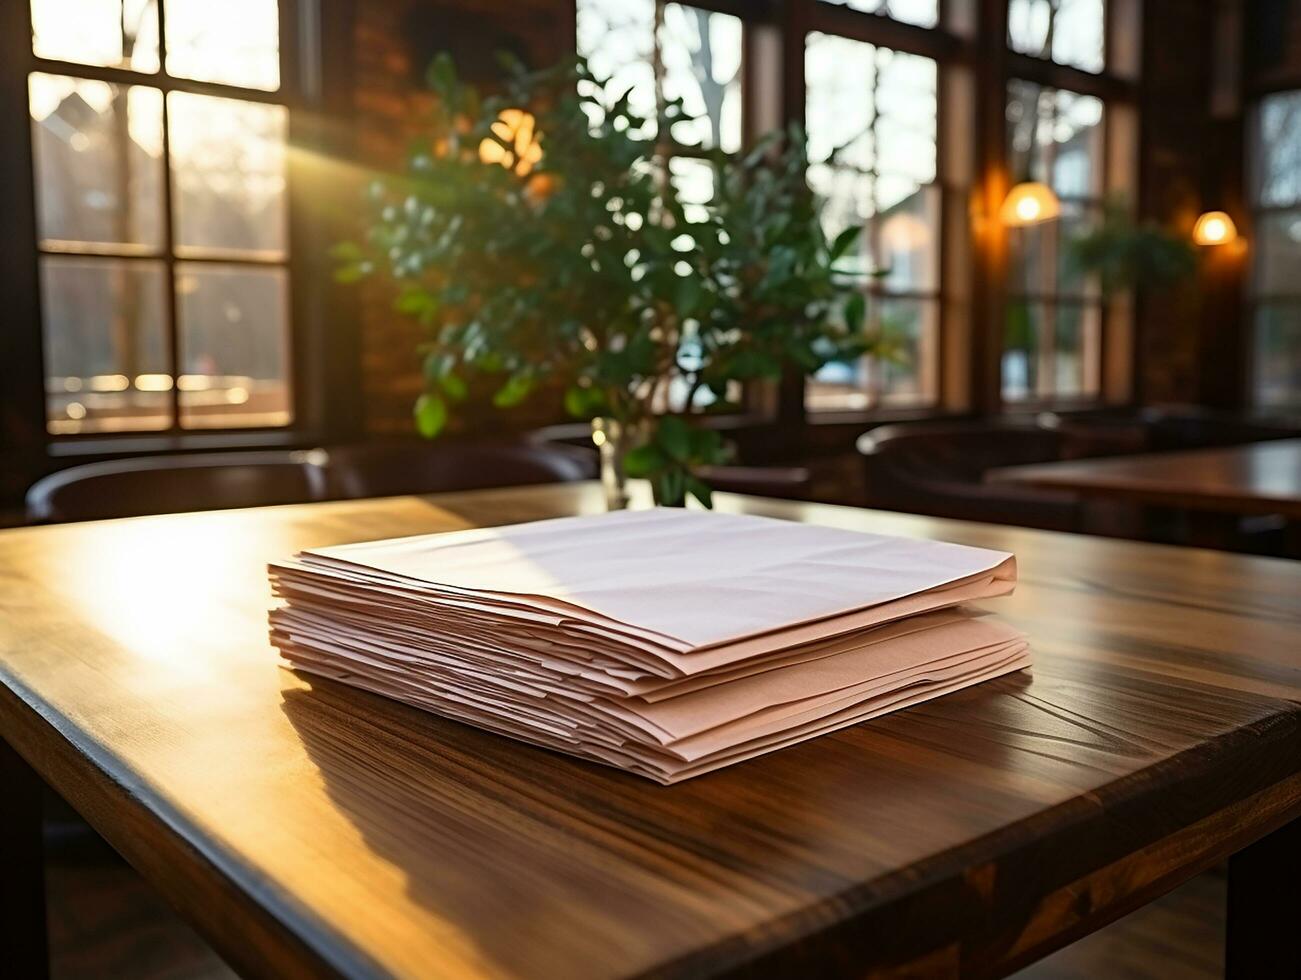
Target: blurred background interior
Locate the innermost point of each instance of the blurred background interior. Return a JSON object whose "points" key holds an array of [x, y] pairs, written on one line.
{"points": [[173, 178], [174, 172]]}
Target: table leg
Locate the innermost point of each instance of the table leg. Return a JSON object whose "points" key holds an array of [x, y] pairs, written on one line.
{"points": [[1264, 910], [24, 950]]}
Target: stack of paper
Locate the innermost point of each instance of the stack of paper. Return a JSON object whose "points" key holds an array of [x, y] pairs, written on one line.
{"points": [[665, 642]]}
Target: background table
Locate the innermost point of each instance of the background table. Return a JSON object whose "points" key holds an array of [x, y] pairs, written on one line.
{"points": [[307, 828], [1256, 478]]}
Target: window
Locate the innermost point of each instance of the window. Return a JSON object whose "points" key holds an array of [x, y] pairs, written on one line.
{"points": [[698, 53], [1052, 343], [1276, 293], [1069, 32], [871, 120], [923, 13], [161, 207]]}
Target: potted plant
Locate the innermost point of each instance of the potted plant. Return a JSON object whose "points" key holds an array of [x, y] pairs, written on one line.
{"points": [[539, 237]]}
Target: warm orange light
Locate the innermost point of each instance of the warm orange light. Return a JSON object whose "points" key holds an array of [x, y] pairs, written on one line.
{"points": [[516, 147], [1029, 203], [1214, 228]]}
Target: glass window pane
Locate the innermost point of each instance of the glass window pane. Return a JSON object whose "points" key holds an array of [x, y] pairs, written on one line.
{"points": [[906, 378], [923, 13], [235, 41], [701, 53], [233, 337], [106, 361], [1077, 328], [1055, 136], [1278, 253], [702, 66], [1040, 256], [899, 246], [617, 39], [1069, 32], [694, 180], [870, 108], [1278, 151], [97, 156], [911, 329], [1051, 350], [1021, 345], [1277, 356], [839, 73], [97, 32], [228, 175], [905, 241]]}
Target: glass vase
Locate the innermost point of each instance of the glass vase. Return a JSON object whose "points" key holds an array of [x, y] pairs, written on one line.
{"points": [[611, 438]]}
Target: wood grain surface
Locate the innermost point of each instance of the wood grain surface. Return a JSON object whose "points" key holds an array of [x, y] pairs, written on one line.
{"points": [[1257, 478], [311, 829]]}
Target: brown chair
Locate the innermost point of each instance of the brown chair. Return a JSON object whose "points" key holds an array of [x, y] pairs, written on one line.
{"points": [[787, 482], [173, 484], [938, 468], [1097, 433], [397, 468]]}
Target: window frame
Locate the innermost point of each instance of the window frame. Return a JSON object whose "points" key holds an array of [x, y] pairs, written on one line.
{"points": [[167, 255], [1117, 88], [320, 367], [1257, 214], [1083, 299]]}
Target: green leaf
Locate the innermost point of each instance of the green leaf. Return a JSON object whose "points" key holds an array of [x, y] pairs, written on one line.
{"points": [[453, 387], [584, 402], [843, 241], [431, 415], [671, 488], [576, 401], [441, 75], [855, 312], [674, 435], [644, 460], [415, 301], [513, 391], [348, 274], [699, 489], [346, 252], [437, 365], [689, 294]]}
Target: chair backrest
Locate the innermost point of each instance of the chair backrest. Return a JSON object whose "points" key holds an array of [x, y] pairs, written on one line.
{"points": [[1100, 432], [392, 469], [959, 451], [938, 468], [172, 484]]}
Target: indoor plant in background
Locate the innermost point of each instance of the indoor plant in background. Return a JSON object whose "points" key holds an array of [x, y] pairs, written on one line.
{"points": [[537, 237]]}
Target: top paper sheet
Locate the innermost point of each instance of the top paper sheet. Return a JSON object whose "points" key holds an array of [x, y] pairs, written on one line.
{"points": [[698, 578]]}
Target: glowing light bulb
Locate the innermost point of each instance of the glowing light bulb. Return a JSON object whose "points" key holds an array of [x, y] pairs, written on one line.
{"points": [[1029, 203], [1214, 228]]}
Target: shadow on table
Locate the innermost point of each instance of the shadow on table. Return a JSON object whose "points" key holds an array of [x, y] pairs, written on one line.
{"points": [[546, 864]]}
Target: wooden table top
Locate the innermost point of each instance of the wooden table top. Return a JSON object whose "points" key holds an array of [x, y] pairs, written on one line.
{"points": [[309, 829], [1256, 478]]}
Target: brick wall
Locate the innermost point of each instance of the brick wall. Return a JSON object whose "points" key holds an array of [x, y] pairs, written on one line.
{"points": [[394, 42]]}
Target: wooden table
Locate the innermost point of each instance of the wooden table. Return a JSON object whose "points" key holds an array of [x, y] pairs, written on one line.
{"points": [[1257, 478], [309, 829]]}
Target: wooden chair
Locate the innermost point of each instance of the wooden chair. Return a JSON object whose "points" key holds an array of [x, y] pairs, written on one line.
{"points": [[396, 468], [938, 468], [173, 484]]}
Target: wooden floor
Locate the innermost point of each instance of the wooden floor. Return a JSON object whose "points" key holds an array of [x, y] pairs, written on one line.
{"points": [[106, 923]]}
